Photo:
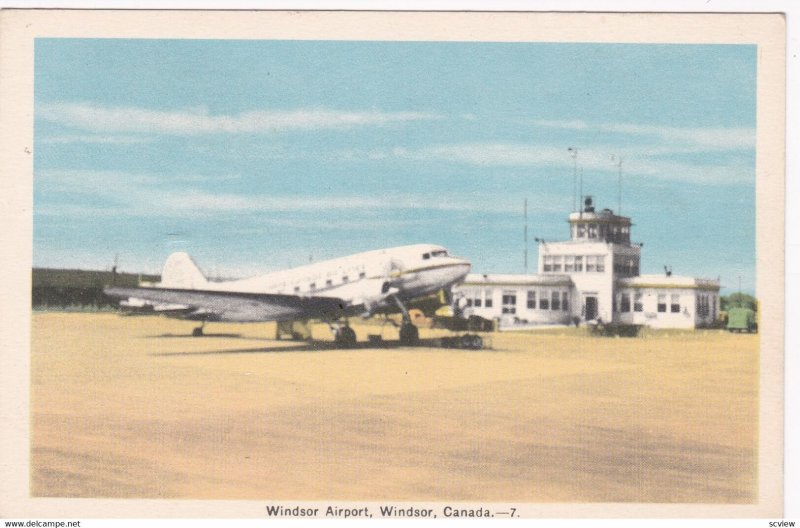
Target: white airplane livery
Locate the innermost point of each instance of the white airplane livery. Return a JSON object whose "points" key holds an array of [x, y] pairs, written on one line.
{"points": [[330, 291]]}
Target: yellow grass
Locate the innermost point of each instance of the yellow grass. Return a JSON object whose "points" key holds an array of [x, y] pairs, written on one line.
{"points": [[128, 407]]}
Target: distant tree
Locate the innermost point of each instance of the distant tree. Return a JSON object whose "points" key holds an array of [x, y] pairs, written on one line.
{"points": [[733, 300]]}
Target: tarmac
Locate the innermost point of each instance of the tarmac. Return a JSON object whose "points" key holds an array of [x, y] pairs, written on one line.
{"points": [[133, 407]]}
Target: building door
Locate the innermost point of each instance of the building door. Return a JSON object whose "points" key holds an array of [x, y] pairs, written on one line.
{"points": [[590, 311]]}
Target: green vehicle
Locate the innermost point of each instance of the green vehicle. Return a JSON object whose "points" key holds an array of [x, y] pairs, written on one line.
{"points": [[742, 320]]}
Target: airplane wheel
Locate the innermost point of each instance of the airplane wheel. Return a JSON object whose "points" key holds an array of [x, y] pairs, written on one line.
{"points": [[346, 336], [197, 332], [409, 334]]}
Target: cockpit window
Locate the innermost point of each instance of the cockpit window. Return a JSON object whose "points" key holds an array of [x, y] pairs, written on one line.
{"points": [[426, 256], [439, 253]]}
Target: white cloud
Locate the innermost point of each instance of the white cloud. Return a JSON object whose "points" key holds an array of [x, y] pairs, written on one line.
{"points": [[681, 139], [104, 140], [109, 119], [112, 193], [648, 161]]}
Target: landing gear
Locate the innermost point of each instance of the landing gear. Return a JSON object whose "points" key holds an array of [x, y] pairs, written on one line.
{"points": [[409, 334], [345, 337], [198, 332]]}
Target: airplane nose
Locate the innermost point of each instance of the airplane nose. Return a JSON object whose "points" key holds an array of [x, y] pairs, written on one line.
{"points": [[461, 268]]}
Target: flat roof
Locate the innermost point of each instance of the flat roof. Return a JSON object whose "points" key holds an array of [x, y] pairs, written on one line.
{"points": [[673, 281], [531, 279]]}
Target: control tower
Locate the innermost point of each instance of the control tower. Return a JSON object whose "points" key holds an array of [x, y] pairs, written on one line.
{"points": [[598, 252]]}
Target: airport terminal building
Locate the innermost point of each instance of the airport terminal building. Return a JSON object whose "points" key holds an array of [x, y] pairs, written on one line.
{"points": [[593, 276]]}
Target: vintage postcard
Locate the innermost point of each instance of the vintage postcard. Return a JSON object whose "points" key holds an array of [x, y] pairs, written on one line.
{"points": [[393, 264]]}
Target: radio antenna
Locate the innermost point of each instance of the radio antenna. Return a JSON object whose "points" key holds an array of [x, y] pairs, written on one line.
{"points": [[574, 152], [525, 215], [619, 182]]}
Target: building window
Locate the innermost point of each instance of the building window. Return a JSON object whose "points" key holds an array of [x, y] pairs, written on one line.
{"points": [[488, 296], [548, 263], [637, 302], [662, 302], [565, 301], [675, 304], [578, 263], [557, 263], [595, 263], [555, 301], [569, 263], [544, 301], [625, 303], [531, 299], [477, 302], [509, 302]]}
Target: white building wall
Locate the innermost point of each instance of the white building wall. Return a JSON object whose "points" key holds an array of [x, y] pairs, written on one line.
{"points": [[676, 310], [532, 303], [588, 282]]}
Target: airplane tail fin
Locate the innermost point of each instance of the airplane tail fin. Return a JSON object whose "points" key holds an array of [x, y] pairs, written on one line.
{"points": [[180, 271]]}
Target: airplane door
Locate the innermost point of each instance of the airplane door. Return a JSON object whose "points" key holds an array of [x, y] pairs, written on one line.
{"points": [[590, 308]]}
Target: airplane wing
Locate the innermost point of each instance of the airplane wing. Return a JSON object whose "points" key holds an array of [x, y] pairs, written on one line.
{"points": [[235, 306]]}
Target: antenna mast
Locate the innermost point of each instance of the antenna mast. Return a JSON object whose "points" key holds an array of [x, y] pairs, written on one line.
{"points": [[619, 183], [574, 152], [525, 215]]}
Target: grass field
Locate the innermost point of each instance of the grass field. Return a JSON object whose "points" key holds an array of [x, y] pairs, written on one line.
{"points": [[129, 407]]}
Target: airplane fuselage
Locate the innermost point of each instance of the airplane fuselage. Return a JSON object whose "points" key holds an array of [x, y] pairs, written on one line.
{"points": [[365, 281]]}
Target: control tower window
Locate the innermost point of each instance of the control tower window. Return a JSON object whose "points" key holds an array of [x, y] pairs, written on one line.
{"points": [[592, 231], [581, 230], [601, 263]]}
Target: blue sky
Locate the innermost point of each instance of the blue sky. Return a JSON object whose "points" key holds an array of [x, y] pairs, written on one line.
{"points": [[257, 155]]}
